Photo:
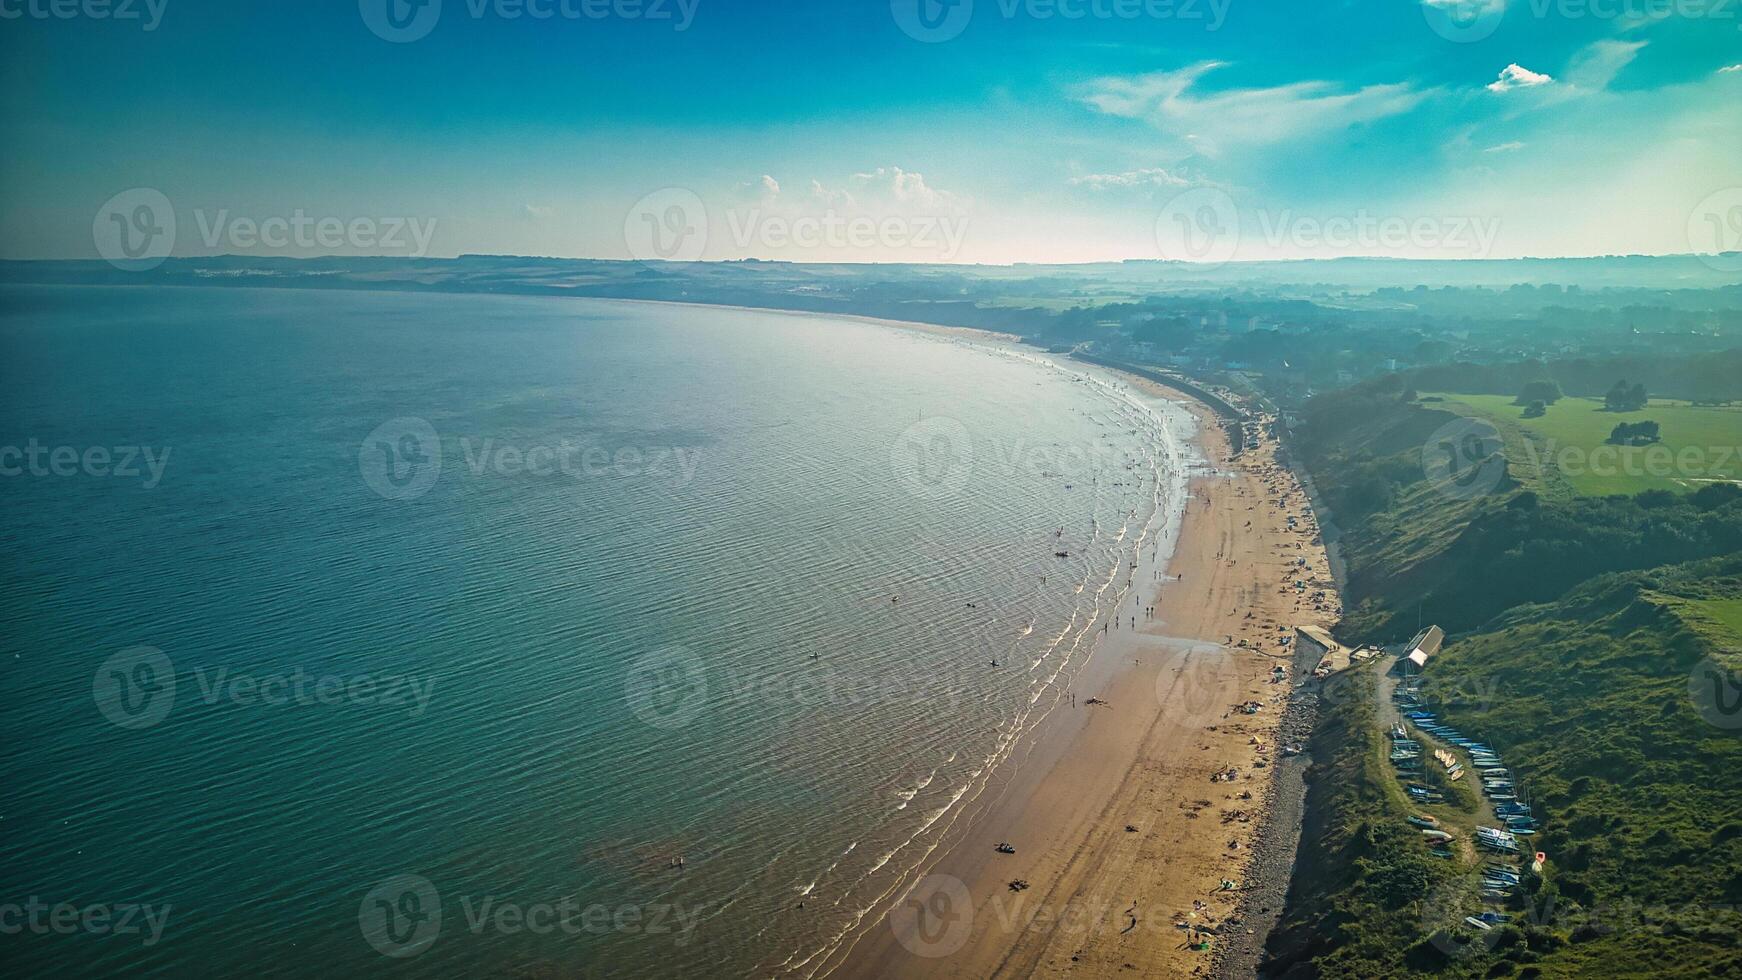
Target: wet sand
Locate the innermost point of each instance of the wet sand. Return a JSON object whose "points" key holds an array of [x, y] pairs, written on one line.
{"points": [[1118, 825]]}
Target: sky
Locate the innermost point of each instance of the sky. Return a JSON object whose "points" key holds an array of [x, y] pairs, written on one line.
{"points": [[991, 131]]}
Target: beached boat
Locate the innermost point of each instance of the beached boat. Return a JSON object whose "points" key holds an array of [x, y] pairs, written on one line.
{"points": [[1423, 821]]}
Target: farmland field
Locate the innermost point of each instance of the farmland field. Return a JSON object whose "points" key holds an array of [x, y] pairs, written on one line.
{"points": [[1565, 450]]}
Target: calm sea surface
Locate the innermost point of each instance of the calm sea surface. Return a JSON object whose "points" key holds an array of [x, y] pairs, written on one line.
{"points": [[414, 634]]}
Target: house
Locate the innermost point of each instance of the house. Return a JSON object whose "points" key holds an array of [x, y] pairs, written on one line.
{"points": [[1426, 644]]}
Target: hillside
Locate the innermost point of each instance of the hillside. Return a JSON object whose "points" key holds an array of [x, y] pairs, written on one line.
{"points": [[1423, 547], [1596, 700]]}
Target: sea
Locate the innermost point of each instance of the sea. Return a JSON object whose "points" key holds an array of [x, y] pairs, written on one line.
{"points": [[413, 634]]}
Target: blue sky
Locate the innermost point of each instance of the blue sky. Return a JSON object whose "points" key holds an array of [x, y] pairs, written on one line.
{"points": [[1567, 127]]}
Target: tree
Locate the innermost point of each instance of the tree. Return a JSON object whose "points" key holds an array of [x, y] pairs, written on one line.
{"points": [[1634, 433], [1624, 397], [1535, 410], [1543, 390]]}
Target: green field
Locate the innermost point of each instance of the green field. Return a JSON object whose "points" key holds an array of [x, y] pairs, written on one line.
{"points": [[1565, 450]]}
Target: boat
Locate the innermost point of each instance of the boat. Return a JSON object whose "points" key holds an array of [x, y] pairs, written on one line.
{"points": [[1423, 821], [1478, 923], [1437, 836], [1061, 554]]}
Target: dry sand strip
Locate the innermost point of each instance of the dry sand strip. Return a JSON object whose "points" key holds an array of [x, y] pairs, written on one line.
{"points": [[1122, 832]]}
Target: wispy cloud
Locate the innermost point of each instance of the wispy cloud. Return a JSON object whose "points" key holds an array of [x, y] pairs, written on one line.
{"points": [[1145, 178], [1730, 68], [764, 188], [1597, 64], [1174, 103], [1507, 147], [1516, 76]]}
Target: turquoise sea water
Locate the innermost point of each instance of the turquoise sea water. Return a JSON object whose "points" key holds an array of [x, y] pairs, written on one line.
{"points": [[394, 719]]}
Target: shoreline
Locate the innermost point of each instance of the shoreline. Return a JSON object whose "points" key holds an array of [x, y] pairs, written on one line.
{"points": [[1121, 833]]}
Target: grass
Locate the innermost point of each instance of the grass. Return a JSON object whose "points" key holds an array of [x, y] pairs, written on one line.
{"points": [[1566, 449], [1723, 613], [1587, 700]]}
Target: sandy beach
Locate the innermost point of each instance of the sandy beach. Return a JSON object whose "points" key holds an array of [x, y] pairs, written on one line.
{"points": [[1128, 815]]}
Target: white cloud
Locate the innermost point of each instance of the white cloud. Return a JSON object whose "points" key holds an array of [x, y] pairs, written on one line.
{"points": [[537, 212], [838, 198], [1147, 177], [1505, 147], [1517, 76], [764, 188], [1597, 64], [1730, 68], [903, 188], [1251, 116]]}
